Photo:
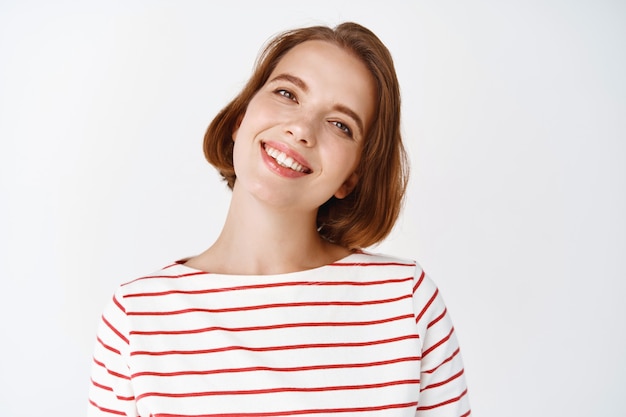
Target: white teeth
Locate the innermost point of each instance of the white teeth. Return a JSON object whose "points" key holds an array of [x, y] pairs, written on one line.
{"points": [[283, 159]]}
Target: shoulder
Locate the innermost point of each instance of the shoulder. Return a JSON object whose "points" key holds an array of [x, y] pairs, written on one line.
{"points": [[421, 278], [368, 264], [425, 291], [365, 258], [172, 277]]}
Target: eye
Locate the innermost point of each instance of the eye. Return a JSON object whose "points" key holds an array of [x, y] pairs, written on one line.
{"points": [[286, 93], [343, 127]]}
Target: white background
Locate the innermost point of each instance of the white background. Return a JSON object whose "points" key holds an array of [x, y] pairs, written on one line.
{"points": [[514, 116]]}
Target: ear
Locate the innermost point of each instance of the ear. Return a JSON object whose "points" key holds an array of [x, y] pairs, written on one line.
{"points": [[347, 186]]}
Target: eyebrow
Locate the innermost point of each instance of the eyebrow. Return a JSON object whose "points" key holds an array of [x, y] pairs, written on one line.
{"points": [[299, 82], [348, 111]]}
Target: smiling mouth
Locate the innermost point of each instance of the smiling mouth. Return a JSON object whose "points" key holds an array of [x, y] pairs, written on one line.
{"points": [[284, 160]]}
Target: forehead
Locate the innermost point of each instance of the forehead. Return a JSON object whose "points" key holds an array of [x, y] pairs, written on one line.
{"points": [[318, 53]]}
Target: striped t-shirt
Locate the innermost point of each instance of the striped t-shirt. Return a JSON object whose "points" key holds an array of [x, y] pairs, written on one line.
{"points": [[367, 335]]}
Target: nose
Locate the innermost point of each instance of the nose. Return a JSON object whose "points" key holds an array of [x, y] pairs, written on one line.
{"points": [[302, 129]]}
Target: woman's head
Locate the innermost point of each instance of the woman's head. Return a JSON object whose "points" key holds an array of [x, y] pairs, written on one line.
{"points": [[368, 213]]}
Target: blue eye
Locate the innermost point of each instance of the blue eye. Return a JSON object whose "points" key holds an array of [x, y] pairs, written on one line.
{"points": [[345, 129]]}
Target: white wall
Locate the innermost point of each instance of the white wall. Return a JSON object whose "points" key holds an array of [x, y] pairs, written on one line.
{"points": [[514, 114]]}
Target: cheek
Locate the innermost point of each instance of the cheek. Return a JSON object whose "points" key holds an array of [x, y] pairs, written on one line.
{"points": [[245, 127], [349, 156], [343, 160], [258, 109]]}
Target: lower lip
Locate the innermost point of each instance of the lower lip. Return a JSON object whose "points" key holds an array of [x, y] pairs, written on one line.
{"points": [[273, 165]]}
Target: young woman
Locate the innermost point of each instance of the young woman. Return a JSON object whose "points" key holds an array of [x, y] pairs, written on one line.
{"points": [[285, 314]]}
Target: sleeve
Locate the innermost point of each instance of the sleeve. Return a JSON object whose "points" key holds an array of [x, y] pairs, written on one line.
{"points": [[443, 390], [111, 392]]}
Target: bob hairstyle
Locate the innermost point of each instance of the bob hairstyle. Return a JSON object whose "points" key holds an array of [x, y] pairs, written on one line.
{"points": [[367, 215]]}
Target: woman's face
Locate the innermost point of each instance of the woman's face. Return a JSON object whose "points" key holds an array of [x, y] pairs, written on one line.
{"points": [[300, 139]]}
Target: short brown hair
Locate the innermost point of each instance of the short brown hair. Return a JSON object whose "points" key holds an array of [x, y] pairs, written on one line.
{"points": [[367, 215]]}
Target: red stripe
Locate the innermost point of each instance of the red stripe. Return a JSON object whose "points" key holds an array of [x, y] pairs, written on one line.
{"points": [[439, 343], [448, 359], [275, 348], [110, 372], [298, 412], [372, 264], [419, 282], [270, 327], [428, 304], [114, 330], [104, 387], [467, 414], [207, 273], [107, 410], [104, 345], [264, 286], [167, 276], [278, 390], [442, 315], [290, 369], [444, 382], [117, 374], [450, 401], [265, 306], [119, 305]]}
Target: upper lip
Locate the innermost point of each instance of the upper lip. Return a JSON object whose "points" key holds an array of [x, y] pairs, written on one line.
{"points": [[289, 152]]}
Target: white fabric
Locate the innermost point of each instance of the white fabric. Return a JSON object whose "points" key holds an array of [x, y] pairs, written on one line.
{"points": [[368, 335]]}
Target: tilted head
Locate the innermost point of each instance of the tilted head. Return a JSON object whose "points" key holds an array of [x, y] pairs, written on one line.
{"points": [[368, 213]]}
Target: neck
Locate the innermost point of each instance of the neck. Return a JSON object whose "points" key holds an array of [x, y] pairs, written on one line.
{"points": [[258, 239]]}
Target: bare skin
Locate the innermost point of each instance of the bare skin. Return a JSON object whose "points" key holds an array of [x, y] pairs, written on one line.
{"points": [[257, 240], [318, 114]]}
